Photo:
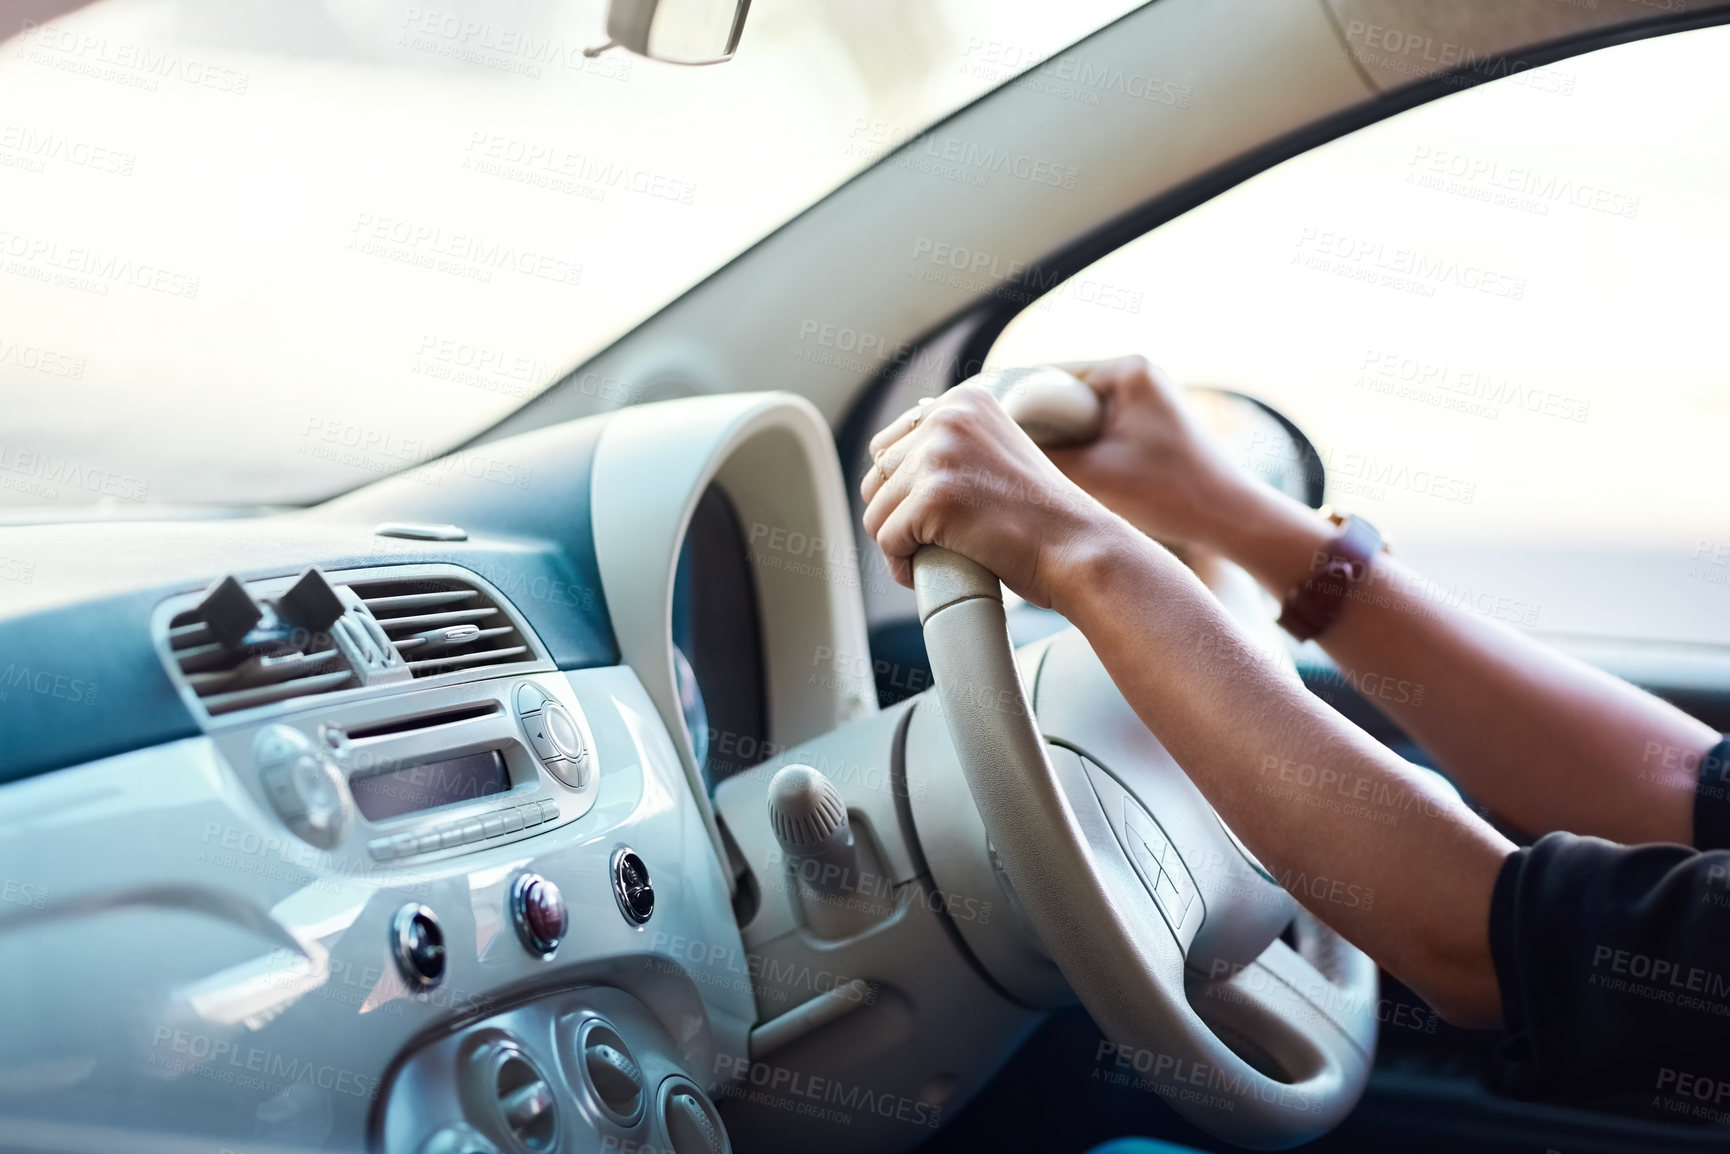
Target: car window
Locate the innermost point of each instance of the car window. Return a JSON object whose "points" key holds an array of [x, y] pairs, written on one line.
{"points": [[256, 251], [1500, 318]]}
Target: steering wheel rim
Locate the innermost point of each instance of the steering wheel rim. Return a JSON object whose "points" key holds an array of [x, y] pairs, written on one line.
{"points": [[1280, 1055]]}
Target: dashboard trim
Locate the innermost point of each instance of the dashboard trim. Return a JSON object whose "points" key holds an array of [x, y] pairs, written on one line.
{"points": [[774, 457]]}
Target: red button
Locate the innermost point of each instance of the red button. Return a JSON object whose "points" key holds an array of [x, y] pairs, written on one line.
{"points": [[538, 909]]}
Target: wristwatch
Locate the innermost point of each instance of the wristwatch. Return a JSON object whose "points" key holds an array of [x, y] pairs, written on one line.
{"points": [[1314, 604]]}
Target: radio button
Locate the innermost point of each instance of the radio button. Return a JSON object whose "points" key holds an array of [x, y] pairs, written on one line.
{"points": [[573, 773], [538, 910], [531, 815], [631, 886], [492, 825], [473, 830], [278, 745], [529, 699], [566, 738], [306, 791], [512, 820], [549, 810]]}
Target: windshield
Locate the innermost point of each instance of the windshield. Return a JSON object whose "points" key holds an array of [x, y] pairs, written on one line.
{"points": [[258, 252]]}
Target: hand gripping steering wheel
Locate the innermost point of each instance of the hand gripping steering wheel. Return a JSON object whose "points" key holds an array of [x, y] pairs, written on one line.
{"points": [[1268, 1054]]}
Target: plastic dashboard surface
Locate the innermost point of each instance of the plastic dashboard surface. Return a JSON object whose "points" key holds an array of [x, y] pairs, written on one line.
{"points": [[185, 973], [202, 957], [80, 678]]}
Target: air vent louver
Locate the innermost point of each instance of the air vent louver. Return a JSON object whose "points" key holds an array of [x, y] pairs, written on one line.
{"points": [[378, 627], [226, 679], [441, 624]]}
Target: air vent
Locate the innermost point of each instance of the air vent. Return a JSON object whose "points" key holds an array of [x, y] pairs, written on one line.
{"points": [[260, 672], [247, 645], [610, 1072], [526, 1101], [443, 624]]}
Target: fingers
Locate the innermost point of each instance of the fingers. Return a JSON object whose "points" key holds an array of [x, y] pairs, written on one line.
{"points": [[899, 427], [889, 490], [884, 464], [897, 534], [920, 459], [888, 501], [1104, 376], [900, 453]]}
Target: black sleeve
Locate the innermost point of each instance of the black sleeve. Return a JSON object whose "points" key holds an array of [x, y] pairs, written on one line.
{"points": [[1614, 965], [1712, 800]]}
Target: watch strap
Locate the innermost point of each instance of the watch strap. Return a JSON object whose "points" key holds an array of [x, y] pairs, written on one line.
{"points": [[1315, 603]]}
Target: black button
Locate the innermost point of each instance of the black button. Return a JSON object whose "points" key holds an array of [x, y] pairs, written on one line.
{"points": [[419, 945], [631, 886]]}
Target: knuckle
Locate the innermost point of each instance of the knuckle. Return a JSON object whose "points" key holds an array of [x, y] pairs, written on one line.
{"points": [[972, 398], [947, 417], [941, 446]]}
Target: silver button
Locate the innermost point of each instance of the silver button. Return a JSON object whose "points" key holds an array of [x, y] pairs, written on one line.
{"points": [[529, 698], [536, 724], [573, 773], [562, 731], [512, 820]]}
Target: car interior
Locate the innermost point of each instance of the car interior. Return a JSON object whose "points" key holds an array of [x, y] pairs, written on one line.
{"points": [[566, 771]]}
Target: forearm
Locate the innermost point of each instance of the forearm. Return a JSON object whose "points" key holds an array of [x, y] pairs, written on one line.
{"points": [[1309, 793], [1545, 741]]}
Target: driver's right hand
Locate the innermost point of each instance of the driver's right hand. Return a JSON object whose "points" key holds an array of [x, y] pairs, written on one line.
{"points": [[1153, 463]]}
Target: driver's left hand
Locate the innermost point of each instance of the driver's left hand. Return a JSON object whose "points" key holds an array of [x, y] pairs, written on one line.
{"points": [[959, 473]]}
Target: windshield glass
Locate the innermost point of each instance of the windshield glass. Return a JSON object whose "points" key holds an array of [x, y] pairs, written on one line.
{"points": [[258, 252]]}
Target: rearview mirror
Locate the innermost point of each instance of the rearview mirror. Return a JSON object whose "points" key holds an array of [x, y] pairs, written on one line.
{"points": [[678, 31]]}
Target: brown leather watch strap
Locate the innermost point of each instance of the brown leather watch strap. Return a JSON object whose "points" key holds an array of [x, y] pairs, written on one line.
{"points": [[1314, 604]]}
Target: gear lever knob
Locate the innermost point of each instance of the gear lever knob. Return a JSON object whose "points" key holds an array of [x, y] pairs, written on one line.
{"points": [[810, 822]]}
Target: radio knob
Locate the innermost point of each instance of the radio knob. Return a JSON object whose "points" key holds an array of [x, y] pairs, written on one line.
{"points": [[563, 731], [306, 791], [555, 735]]}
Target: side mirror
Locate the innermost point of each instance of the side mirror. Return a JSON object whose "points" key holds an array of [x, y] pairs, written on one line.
{"points": [[678, 31], [1265, 441]]}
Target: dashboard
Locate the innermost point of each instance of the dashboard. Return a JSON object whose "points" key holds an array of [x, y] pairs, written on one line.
{"points": [[443, 818], [385, 824]]}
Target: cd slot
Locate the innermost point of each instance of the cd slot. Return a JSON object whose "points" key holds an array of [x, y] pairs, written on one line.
{"points": [[420, 721]]}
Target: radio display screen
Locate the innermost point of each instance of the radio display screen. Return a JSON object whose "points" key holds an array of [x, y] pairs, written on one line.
{"points": [[426, 786]]}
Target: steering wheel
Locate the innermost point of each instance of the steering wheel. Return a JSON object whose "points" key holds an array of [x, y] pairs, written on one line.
{"points": [[1266, 1054]]}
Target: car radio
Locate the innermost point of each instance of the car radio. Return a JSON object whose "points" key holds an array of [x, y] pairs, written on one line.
{"points": [[426, 774]]}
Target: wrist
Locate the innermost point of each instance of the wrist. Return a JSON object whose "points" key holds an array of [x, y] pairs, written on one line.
{"points": [[1109, 547], [1274, 538]]}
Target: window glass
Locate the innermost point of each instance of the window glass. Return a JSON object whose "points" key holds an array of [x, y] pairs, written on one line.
{"points": [[1500, 316], [262, 251]]}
